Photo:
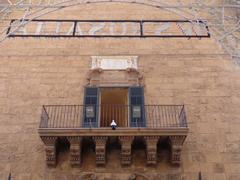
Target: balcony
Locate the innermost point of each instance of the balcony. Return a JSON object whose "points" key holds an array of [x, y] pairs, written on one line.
{"points": [[152, 123]]}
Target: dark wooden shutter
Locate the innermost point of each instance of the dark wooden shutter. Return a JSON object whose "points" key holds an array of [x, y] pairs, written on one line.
{"points": [[137, 115], [91, 107]]}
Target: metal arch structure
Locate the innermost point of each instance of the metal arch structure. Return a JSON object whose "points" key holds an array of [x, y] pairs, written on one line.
{"points": [[223, 18]]}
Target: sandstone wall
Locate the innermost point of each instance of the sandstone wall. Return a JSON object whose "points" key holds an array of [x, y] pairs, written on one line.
{"points": [[194, 72]]}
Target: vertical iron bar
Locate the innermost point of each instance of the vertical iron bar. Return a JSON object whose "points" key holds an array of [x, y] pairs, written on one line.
{"points": [[158, 118], [171, 114], [71, 116], [145, 112], [166, 117], [74, 115], [61, 116], [106, 114], [111, 112], [175, 113], [47, 117], [56, 116], [78, 118], [48, 109], [67, 114], [141, 28], [180, 116], [102, 115], [53, 112], [104, 109], [9, 28], [74, 28], [168, 114], [64, 116]]}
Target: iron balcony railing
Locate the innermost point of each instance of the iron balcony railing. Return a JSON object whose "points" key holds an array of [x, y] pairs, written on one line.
{"points": [[97, 116]]}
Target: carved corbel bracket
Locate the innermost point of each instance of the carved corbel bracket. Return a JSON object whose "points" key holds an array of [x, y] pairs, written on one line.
{"points": [[135, 76], [75, 150], [100, 147], [93, 76], [176, 143], [126, 149], [151, 142], [50, 149]]}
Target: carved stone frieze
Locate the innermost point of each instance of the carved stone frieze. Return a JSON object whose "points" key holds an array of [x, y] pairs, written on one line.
{"points": [[50, 149], [75, 150], [126, 149], [176, 143], [100, 147], [114, 62], [151, 143]]}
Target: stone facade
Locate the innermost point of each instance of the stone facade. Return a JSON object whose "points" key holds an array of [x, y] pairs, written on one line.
{"points": [[194, 72]]}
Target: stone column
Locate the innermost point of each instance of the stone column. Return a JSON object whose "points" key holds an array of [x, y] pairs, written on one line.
{"points": [[50, 149], [100, 147], [176, 143], [126, 147], [151, 143], [75, 150]]}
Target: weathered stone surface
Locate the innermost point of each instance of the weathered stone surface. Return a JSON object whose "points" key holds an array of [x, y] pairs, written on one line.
{"points": [[219, 168], [193, 72]]}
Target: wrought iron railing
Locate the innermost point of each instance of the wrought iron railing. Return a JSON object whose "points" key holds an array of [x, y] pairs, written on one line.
{"points": [[80, 116]]}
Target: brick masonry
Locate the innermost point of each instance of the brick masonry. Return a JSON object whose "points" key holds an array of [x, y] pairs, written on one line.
{"points": [[193, 72]]}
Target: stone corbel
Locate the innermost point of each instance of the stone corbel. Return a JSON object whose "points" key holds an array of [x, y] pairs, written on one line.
{"points": [[100, 147], [94, 74], [137, 74], [75, 150], [126, 147], [151, 143], [50, 149], [176, 143]]}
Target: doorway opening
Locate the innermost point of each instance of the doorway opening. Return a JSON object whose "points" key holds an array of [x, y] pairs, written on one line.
{"points": [[114, 106]]}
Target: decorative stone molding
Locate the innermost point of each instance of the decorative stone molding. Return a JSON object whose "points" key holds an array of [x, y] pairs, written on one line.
{"points": [[126, 149], [50, 149], [114, 71], [130, 77], [176, 143], [151, 143], [135, 77], [93, 76], [75, 150], [100, 147], [114, 62]]}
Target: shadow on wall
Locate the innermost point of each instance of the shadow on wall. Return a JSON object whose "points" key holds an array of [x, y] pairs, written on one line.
{"points": [[113, 155]]}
